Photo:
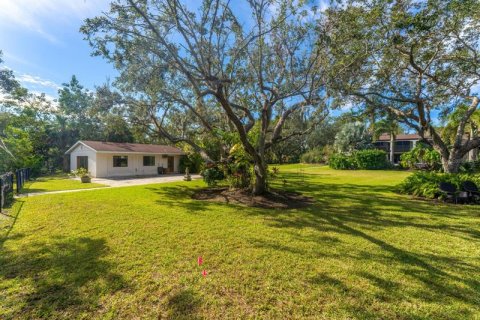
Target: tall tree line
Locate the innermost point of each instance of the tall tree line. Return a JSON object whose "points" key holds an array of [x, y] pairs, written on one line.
{"points": [[35, 132]]}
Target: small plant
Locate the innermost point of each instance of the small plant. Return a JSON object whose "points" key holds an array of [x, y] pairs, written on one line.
{"points": [[212, 175], [83, 174], [426, 184]]}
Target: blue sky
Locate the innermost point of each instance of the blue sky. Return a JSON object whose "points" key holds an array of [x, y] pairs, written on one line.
{"points": [[41, 43]]}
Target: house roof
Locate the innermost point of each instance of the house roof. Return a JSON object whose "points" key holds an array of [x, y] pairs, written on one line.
{"points": [[386, 137], [124, 147]]}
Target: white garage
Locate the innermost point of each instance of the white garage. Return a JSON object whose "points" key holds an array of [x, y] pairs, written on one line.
{"points": [[113, 159]]}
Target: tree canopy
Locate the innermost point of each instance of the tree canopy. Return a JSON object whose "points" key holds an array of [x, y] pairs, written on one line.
{"points": [[214, 70], [417, 59]]}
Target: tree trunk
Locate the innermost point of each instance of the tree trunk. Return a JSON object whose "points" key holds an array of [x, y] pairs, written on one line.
{"points": [[392, 147], [260, 185], [452, 164], [474, 154]]}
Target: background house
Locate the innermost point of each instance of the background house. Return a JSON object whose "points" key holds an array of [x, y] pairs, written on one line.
{"points": [[403, 143], [111, 159], [406, 142]]}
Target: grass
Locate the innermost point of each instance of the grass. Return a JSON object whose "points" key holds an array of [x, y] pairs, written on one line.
{"points": [[57, 183], [361, 252]]}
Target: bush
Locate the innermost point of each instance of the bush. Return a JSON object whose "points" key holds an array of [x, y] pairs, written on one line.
{"points": [[470, 167], [362, 159], [317, 155], [371, 159], [239, 174], [425, 184], [212, 175], [421, 154], [192, 161], [341, 162]]}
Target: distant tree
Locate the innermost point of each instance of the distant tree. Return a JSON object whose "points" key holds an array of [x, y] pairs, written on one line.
{"points": [[417, 59], [209, 66], [353, 136], [389, 125]]}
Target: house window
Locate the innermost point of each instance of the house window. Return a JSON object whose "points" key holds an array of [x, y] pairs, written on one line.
{"points": [[82, 162], [148, 161], [120, 161]]}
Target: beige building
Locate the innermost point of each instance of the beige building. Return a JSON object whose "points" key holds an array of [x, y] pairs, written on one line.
{"points": [[406, 142], [112, 159]]}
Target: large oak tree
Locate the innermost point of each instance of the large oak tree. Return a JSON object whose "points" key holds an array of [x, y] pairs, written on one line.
{"points": [[253, 63], [419, 60]]}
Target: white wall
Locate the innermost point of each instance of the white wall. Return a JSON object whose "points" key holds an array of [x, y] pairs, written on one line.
{"points": [[135, 167], [81, 150]]}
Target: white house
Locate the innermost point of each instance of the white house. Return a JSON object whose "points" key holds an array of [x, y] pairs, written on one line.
{"points": [[112, 159]]}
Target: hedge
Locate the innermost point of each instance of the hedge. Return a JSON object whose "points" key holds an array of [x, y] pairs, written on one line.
{"points": [[363, 159]]}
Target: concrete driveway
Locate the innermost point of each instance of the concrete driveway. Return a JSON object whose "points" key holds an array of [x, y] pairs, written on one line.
{"points": [[136, 181]]}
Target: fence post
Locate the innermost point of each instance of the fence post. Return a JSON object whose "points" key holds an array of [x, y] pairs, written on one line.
{"points": [[17, 175], [1, 194]]}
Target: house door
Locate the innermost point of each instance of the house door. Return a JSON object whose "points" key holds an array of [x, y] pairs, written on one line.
{"points": [[170, 164], [82, 162]]}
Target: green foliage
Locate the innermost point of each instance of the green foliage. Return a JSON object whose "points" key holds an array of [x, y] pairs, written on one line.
{"points": [[371, 159], [21, 151], [80, 172], [352, 136], [362, 160], [192, 161], [317, 155], [238, 169], [212, 175], [341, 161], [425, 184], [421, 154], [470, 167], [414, 58]]}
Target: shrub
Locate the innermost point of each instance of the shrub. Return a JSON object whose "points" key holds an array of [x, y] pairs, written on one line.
{"points": [[341, 161], [192, 161], [371, 159], [470, 167], [362, 159], [317, 155], [239, 174], [421, 154], [425, 184], [212, 175]]}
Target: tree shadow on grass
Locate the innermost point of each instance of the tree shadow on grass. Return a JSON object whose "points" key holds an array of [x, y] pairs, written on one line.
{"points": [[181, 196], [354, 210], [58, 278], [184, 304]]}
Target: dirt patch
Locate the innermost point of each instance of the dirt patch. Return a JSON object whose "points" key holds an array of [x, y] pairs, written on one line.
{"points": [[275, 199]]}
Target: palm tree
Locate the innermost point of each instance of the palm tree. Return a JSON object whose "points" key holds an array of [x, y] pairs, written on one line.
{"points": [[388, 125]]}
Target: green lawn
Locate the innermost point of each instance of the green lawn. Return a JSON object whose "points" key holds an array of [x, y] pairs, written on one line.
{"points": [[361, 252], [57, 183]]}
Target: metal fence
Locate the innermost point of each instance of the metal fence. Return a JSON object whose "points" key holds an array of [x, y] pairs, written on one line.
{"points": [[7, 183], [6, 189], [22, 176]]}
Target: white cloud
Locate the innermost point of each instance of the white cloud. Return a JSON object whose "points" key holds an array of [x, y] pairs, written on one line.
{"points": [[35, 15], [29, 80]]}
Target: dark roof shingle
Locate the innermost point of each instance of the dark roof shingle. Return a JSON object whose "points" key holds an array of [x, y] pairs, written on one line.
{"points": [[101, 146]]}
